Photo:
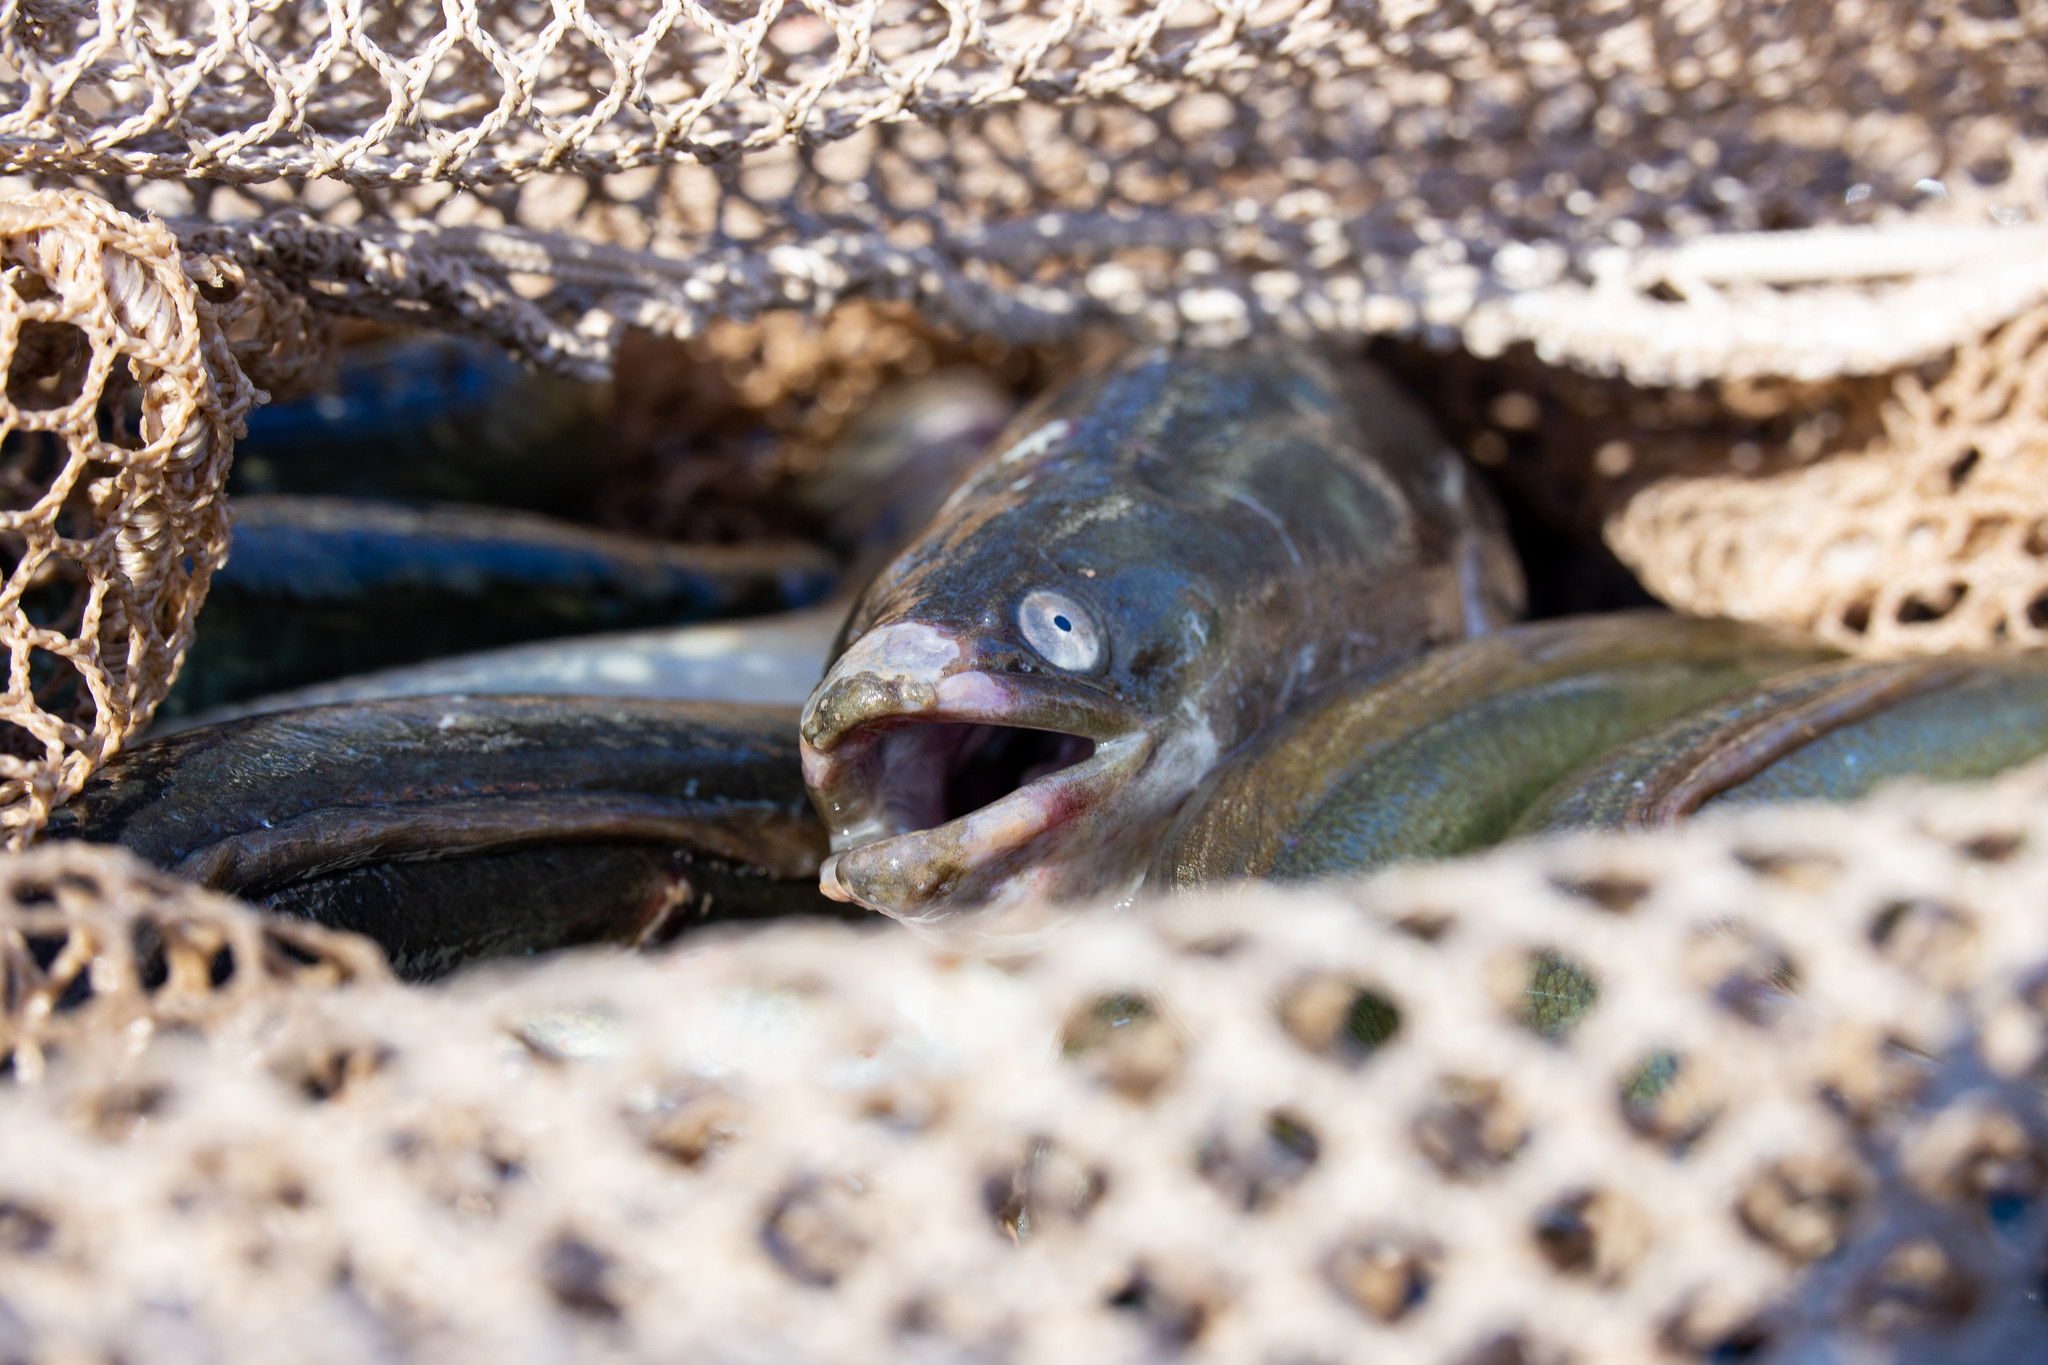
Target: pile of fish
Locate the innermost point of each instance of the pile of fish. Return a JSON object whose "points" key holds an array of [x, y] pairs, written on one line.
{"points": [[1198, 615]]}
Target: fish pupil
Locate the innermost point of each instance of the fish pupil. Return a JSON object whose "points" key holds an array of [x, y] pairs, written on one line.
{"points": [[1063, 623]]}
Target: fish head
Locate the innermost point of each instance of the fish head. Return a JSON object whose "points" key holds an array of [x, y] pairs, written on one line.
{"points": [[1018, 706]]}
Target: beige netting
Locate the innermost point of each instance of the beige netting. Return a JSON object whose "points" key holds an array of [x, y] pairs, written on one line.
{"points": [[1680, 189], [1799, 1119], [99, 952], [122, 397], [1935, 536]]}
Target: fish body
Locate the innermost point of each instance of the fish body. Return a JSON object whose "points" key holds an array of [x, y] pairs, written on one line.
{"points": [[451, 828], [319, 588], [877, 486], [766, 661], [1828, 732], [432, 418], [1145, 572], [1440, 756]]}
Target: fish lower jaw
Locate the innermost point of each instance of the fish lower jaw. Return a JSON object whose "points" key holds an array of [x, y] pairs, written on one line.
{"points": [[1006, 851]]}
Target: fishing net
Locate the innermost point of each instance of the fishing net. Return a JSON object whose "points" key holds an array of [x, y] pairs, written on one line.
{"points": [[115, 434], [1761, 1090], [1759, 291]]}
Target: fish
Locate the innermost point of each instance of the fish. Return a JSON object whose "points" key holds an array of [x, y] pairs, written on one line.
{"points": [[766, 660], [1151, 566], [1830, 732], [433, 418], [1440, 756], [451, 829], [875, 488], [316, 588]]}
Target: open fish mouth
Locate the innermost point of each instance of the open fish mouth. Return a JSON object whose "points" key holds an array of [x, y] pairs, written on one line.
{"points": [[942, 796]]}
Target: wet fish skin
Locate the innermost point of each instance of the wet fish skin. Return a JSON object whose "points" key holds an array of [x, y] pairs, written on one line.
{"points": [[318, 588], [1242, 527], [1440, 756], [764, 660], [432, 417], [1829, 732], [877, 486], [452, 827]]}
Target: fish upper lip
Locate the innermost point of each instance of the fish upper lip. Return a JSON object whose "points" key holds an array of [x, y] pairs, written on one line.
{"points": [[1030, 701]]}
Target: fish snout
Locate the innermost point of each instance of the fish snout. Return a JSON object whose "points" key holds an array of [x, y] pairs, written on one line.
{"points": [[891, 670]]}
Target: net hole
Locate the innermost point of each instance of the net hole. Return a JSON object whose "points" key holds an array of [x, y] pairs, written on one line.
{"points": [[687, 1123], [580, 1277], [120, 410], [1386, 1276], [1591, 1233], [1556, 993], [1668, 1101], [50, 366], [1614, 893], [1920, 609], [1253, 1174], [24, 1229], [1746, 975], [1470, 1129], [152, 965], [1991, 170], [1801, 1208], [29, 463], [331, 1072], [1923, 936], [1337, 1016], [1128, 1041], [115, 1113], [1049, 1187], [1808, 870], [1916, 1286], [1174, 1321], [1998, 847], [1984, 535], [812, 1234], [1964, 465]]}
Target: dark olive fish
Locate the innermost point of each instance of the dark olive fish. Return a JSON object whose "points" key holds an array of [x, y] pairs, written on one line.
{"points": [[1151, 568], [1832, 732], [432, 418], [1440, 756], [453, 828], [318, 588]]}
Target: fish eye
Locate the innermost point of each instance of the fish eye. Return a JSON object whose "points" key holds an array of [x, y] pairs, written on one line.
{"points": [[1062, 630]]}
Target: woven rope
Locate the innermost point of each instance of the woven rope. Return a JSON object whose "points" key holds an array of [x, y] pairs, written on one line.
{"points": [[1800, 1120], [1935, 537], [1674, 189], [121, 398]]}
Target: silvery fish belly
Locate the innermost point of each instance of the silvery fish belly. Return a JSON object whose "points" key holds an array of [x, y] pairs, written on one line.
{"points": [[1150, 568]]}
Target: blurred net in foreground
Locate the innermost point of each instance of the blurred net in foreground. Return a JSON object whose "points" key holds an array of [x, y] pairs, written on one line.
{"points": [[1762, 1090]]}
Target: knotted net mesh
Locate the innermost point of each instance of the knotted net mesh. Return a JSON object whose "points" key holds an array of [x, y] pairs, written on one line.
{"points": [[1762, 1090], [117, 423], [1757, 289]]}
